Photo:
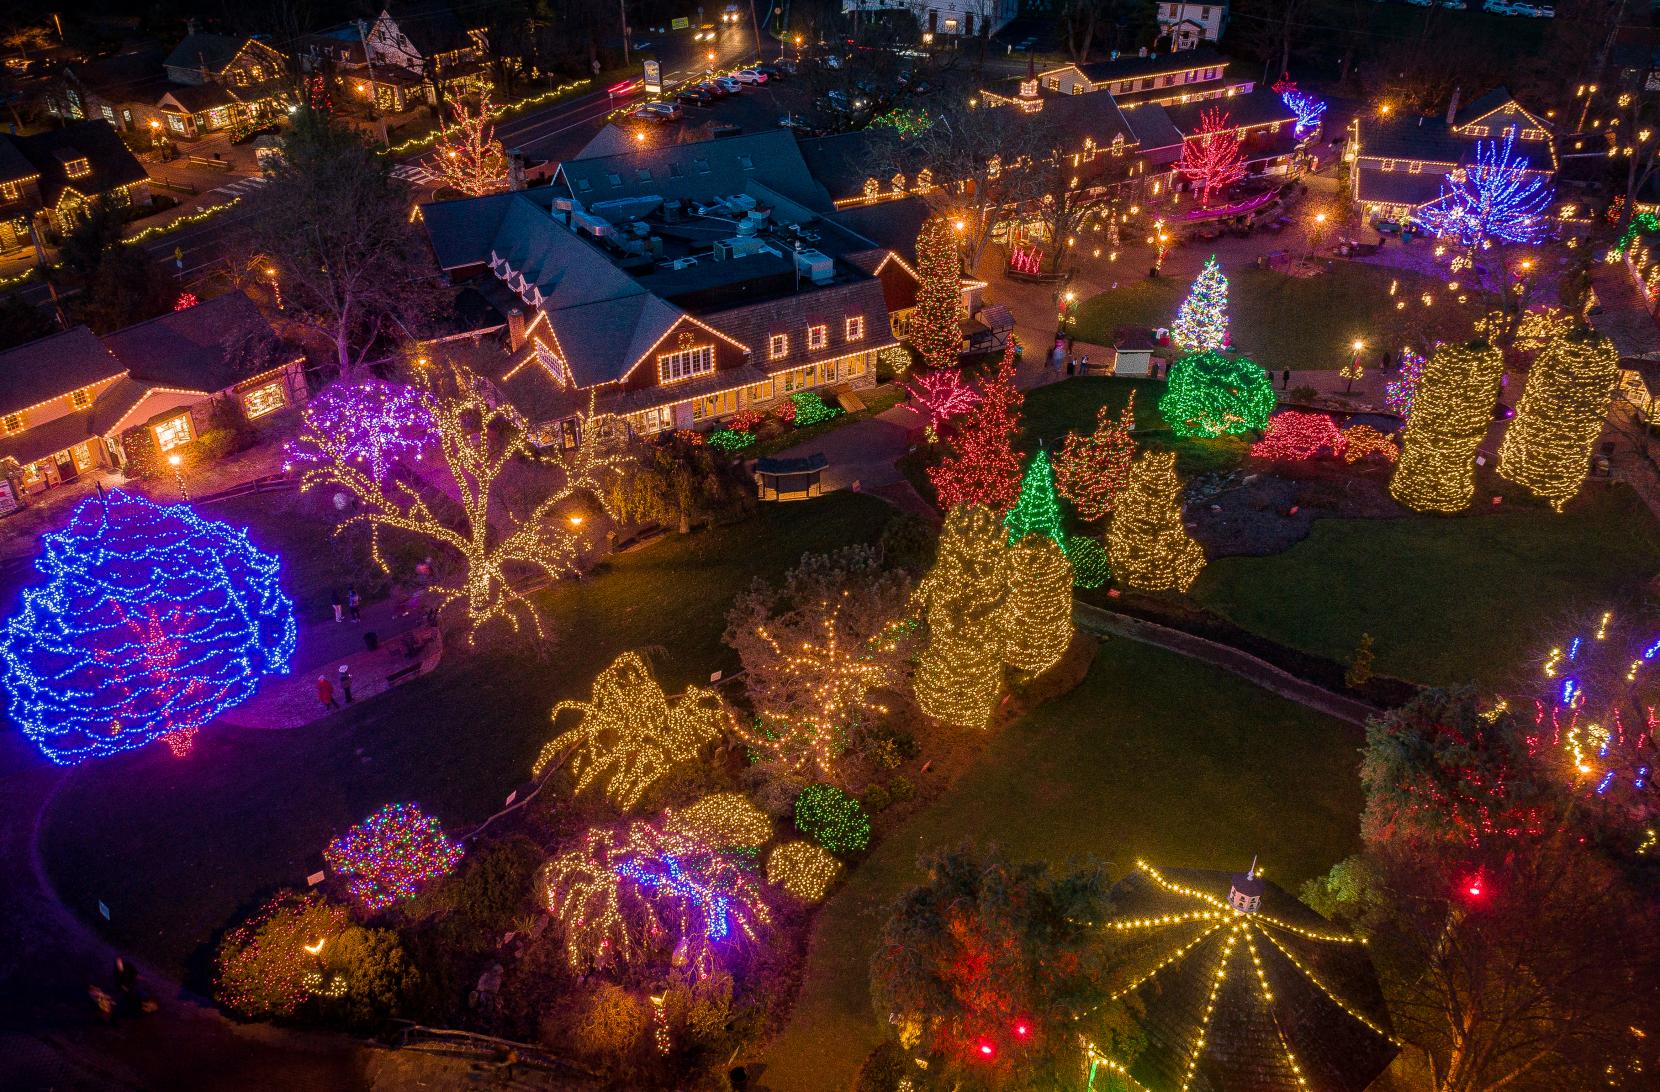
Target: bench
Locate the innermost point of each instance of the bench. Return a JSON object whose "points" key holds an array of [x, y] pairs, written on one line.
{"points": [[209, 161], [403, 673]]}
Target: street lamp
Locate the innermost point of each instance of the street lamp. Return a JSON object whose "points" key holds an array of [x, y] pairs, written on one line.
{"points": [[178, 475], [1355, 370]]}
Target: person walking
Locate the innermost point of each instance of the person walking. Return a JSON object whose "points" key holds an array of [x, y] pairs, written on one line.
{"points": [[325, 693], [126, 986], [1285, 380], [339, 611], [346, 682], [354, 604]]}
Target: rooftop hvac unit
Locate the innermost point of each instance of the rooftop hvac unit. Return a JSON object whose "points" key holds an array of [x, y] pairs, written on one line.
{"points": [[597, 226], [723, 250], [815, 265], [741, 202]]}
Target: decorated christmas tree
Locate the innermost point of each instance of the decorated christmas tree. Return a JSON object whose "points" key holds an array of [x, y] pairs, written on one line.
{"points": [[1091, 469], [1037, 615], [1212, 395], [1547, 449], [1202, 321], [151, 623], [1038, 511], [1148, 545], [982, 467], [1451, 412], [936, 330], [960, 674]]}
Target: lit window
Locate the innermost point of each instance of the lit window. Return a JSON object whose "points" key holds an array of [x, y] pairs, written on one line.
{"points": [[10, 191], [1389, 164], [778, 346], [13, 422], [1415, 168], [173, 433], [856, 328], [687, 363], [80, 399], [264, 399], [78, 168], [817, 337]]}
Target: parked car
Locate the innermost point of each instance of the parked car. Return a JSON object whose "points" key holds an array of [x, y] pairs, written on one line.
{"points": [[786, 67], [725, 128], [748, 75], [1545, 11], [641, 47], [769, 71], [1498, 7], [732, 86], [695, 96], [713, 87], [669, 110], [1454, 5], [793, 121]]}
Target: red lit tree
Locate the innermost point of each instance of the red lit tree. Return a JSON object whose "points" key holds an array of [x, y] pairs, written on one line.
{"points": [[1091, 470], [936, 330], [982, 467], [1211, 159], [469, 157]]}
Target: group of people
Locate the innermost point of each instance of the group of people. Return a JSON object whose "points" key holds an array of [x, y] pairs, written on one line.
{"points": [[353, 606], [325, 689], [126, 999]]}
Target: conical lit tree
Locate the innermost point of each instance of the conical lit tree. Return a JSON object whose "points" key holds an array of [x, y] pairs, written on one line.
{"points": [[982, 467], [1091, 469], [1038, 510], [1202, 320], [1451, 412], [960, 674], [936, 330], [1037, 615], [468, 156], [1548, 447], [1148, 545]]}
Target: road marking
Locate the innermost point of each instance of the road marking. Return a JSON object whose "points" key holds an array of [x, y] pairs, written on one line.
{"points": [[243, 187]]}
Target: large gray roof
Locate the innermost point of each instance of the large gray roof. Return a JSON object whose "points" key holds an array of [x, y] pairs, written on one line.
{"points": [[204, 50], [190, 349], [1125, 68], [695, 171], [95, 141], [52, 366]]}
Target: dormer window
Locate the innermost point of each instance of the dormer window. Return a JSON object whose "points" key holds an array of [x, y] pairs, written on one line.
{"points": [[12, 422], [817, 337], [80, 399], [613, 178], [855, 328], [778, 346], [78, 167], [746, 163]]}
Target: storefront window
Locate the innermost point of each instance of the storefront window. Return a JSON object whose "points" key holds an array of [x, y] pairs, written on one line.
{"points": [[82, 454], [173, 433], [263, 400], [175, 122]]}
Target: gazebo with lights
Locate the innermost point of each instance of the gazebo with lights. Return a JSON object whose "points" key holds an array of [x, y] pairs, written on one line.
{"points": [[1244, 988]]}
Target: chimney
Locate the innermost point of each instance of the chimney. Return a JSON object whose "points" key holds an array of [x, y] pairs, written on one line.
{"points": [[515, 169], [1245, 895], [515, 329], [1452, 106]]}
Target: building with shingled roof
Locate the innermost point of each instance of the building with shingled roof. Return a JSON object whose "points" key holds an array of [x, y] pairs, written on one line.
{"points": [[52, 174]]}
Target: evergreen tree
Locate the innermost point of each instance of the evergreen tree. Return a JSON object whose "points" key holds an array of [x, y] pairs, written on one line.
{"points": [[982, 467], [1547, 449], [1037, 615], [1091, 470], [1202, 320], [960, 673], [1451, 412], [1212, 395], [1038, 511], [936, 330], [1148, 545]]}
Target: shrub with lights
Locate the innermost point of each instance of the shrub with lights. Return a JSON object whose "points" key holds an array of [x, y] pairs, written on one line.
{"points": [[272, 963], [810, 409], [1295, 436], [1547, 448], [833, 819], [803, 870], [1451, 413], [390, 855], [1364, 442], [1089, 561], [1091, 469], [1212, 395], [1147, 544], [721, 820], [1399, 393], [731, 440], [152, 622]]}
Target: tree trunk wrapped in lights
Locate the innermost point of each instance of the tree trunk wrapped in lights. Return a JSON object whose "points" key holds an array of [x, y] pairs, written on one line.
{"points": [[1037, 615], [1148, 544], [1451, 412], [1548, 447], [936, 330], [960, 674]]}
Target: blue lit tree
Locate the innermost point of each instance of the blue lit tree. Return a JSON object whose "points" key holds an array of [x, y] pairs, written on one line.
{"points": [[151, 623], [1497, 200], [1309, 110]]}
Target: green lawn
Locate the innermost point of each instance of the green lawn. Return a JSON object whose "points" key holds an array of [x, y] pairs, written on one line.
{"points": [[1446, 599], [1154, 756], [1302, 323], [1050, 412], [175, 847]]}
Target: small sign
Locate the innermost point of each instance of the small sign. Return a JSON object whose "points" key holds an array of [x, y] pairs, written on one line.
{"points": [[314, 879], [680, 24], [512, 796], [715, 678], [104, 910], [654, 78], [1481, 460]]}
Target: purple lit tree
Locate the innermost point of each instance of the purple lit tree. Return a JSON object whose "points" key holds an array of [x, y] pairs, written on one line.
{"points": [[375, 425], [1399, 393], [151, 623], [1497, 199]]}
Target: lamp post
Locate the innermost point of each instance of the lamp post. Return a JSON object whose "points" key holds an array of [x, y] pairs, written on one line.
{"points": [[178, 475], [1355, 369], [1317, 234], [276, 286]]}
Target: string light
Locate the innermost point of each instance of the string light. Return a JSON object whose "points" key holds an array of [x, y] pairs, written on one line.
{"points": [[469, 158], [1309, 110], [1147, 544], [1451, 412], [1037, 615], [630, 734], [389, 855], [1089, 561], [1547, 448], [380, 425], [628, 892], [151, 623], [832, 818], [1295, 435], [803, 869], [1211, 159], [942, 395], [810, 409], [1038, 509], [1497, 199], [1202, 320], [478, 440], [270, 964], [1362, 441], [982, 467], [1092, 469], [1212, 395], [936, 326], [721, 820], [960, 673]]}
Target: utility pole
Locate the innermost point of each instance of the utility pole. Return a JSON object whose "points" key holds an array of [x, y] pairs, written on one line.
{"points": [[756, 22], [622, 13]]}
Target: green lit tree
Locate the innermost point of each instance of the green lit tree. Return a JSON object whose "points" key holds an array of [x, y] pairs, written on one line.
{"points": [[1038, 511], [1213, 395]]}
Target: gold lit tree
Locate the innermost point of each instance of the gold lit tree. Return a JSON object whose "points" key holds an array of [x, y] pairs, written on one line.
{"points": [[1451, 413], [1547, 449], [477, 442], [1147, 544], [630, 733], [960, 674], [1037, 615], [468, 158]]}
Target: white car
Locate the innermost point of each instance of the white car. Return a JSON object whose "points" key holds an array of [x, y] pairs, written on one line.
{"points": [[1498, 7], [749, 75], [729, 14], [1453, 5], [728, 84]]}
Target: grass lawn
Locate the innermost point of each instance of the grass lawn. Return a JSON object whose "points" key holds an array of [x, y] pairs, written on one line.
{"points": [[1052, 411], [176, 847], [1446, 600], [1302, 323], [1154, 756]]}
